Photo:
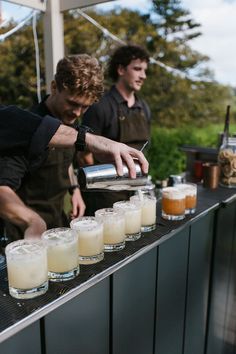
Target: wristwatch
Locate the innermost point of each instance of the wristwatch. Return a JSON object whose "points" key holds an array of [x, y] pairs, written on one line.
{"points": [[72, 188], [80, 143]]}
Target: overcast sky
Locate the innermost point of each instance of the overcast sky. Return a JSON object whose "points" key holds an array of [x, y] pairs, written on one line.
{"points": [[217, 18]]}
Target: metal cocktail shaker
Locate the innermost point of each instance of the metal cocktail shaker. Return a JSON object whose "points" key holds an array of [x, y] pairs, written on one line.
{"points": [[104, 177]]}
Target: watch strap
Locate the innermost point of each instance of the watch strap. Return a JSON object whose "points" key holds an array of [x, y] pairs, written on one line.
{"points": [[80, 143]]}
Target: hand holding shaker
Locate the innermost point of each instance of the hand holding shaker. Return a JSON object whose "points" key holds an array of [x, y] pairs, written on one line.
{"points": [[104, 176]]}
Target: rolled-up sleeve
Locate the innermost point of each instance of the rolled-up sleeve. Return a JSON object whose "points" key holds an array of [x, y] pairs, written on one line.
{"points": [[43, 134], [13, 169], [25, 131]]}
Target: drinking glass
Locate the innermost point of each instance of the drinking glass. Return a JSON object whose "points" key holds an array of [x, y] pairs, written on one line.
{"points": [[114, 228], [27, 268], [91, 244], [149, 189], [173, 204], [190, 190], [148, 203], [132, 219], [62, 251]]}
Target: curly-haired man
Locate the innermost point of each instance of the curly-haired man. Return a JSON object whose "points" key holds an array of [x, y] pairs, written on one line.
{"points": [[78, 83]]}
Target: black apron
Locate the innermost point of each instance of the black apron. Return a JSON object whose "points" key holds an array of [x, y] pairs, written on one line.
{"points": [[134, 131], [44, 190]]}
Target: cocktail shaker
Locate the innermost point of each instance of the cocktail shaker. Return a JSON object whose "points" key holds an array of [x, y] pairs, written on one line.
{"points": [[173, 180], [104, 177]]}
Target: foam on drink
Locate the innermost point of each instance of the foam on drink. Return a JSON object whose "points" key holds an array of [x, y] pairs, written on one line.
{"points": [[173, 203]]}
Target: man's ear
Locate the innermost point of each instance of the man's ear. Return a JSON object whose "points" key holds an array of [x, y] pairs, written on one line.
{"points": [[53, 87], [121, 70]]}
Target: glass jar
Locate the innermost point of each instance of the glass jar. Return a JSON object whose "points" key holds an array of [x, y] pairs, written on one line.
{"points": [[227, 163]]}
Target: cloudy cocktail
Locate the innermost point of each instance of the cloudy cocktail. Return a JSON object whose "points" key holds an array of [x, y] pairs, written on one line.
{"points": [[90, 233], [113, 228], [62, 251], [132, 219], [27, 268], [148, 203]]}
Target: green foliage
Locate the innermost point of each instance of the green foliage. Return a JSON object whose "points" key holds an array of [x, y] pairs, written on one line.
{"points": [[166, 32], [17, 62], [165, 156], [174, 101]]}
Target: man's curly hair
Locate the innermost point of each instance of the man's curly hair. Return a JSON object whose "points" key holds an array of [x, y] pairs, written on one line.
{"points": [[81, 75]]}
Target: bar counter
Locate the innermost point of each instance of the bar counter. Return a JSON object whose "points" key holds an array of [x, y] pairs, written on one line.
{"points": [[170, 292]]}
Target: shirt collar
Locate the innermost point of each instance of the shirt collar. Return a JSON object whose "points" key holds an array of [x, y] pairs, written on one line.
{"points": [[43, 105], [120, 99]]}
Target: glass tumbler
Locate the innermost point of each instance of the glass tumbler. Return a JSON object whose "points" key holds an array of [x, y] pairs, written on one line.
{"points": [[173, 204], [148, 203], [62, 251], [90, 234], [132, 219], [114, 228], [190, 190], [27, 268]]}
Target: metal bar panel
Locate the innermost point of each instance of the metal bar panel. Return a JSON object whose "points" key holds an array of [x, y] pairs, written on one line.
{"points": [[134, 306], [200, 253], [26, 341], [220, 336], [230, 318], [81, 326], [171, 294]]}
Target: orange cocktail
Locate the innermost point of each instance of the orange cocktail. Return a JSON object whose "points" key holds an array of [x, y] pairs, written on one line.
{"points": [[190, 190], [173, 203]]}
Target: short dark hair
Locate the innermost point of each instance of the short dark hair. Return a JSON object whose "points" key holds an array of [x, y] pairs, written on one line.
{"points": [[123, 56]]}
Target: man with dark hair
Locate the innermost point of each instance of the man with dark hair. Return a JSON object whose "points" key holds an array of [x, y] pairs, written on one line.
{"points": [[24, 142], [120, 114], [78, 83]]}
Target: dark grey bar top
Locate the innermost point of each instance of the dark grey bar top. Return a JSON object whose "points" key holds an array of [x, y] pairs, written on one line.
{"points": [[17, 314]]}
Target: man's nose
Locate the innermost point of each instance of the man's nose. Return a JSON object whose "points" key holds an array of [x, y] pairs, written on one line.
{"points": [[143, 75], [77, 111]]}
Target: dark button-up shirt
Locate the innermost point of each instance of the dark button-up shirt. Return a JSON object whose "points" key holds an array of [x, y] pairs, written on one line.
{"points": [[102, 116], [24, 138]]}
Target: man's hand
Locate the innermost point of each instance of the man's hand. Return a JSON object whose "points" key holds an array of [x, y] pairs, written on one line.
{"points": [[106, 150], [78, 206], [15, 211], [85, 158]]}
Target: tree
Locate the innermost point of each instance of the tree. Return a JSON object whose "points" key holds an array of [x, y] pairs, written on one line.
{"points": [[17, 62], [173, 100]]}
